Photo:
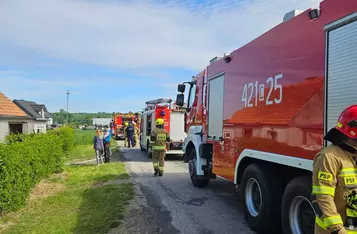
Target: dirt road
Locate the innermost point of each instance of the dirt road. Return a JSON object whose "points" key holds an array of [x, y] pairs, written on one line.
{"points": [[170, 204]]}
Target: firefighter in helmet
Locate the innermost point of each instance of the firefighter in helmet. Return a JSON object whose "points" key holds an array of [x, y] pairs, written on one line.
{"points": [[334, 179], [159, 137], [126, 124], [136, 134]]}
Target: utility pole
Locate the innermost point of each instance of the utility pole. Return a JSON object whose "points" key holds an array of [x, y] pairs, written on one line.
{"points": [[67, 104]]}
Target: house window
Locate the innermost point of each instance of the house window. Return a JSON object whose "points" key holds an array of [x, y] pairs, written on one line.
{"points": [[15, 128], [248, 132], [227, 135], [273, 135]]}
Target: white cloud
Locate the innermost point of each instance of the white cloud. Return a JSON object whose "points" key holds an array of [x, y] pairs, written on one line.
{"points": [[139, 34], [7, 72]]}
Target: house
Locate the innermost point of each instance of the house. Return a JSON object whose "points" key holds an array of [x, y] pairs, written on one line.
{"points": [[101, 121], [12, 119], [289, 122], [38, 112]]}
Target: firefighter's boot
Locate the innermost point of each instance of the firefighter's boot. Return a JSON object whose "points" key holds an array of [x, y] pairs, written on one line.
{"points": [[156, 172]]}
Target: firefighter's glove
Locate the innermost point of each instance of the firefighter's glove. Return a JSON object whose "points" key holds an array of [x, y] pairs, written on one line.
{"points": [[352, 201], [341, 231]]}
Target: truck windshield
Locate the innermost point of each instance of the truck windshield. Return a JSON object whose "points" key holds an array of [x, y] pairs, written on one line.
{"points": [[191, 96]]}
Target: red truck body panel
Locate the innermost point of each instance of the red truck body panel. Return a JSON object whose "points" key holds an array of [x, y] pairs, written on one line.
{"points": [[164, 113], [294, 127]]}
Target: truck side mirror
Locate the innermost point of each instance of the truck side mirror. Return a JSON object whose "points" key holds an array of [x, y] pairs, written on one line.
{"points": [[180, 99], [181, 88]]}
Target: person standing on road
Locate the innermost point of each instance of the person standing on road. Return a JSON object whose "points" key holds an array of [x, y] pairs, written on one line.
{"points": [[159, 136], [130, 134], [98, 146], [126, 124], [334, 178], [107, 149]]}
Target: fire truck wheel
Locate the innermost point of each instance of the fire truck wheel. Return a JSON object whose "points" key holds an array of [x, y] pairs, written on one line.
{"points": [[261, 195], [297, 213], [197, 181]]}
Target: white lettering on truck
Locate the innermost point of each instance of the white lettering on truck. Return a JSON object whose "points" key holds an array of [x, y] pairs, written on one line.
{"points": [[258, 93]]}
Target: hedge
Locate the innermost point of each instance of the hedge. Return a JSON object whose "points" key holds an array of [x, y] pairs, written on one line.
{"points": [[26, 159]]}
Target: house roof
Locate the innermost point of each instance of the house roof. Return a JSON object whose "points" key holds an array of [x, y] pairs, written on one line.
{"points": [[8, 108], [295, 96], [32, 108]]}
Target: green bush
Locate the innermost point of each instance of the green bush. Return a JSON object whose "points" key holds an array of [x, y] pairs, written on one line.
{"points": [[26, 159]]}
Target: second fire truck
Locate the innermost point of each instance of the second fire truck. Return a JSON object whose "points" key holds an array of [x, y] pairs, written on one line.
{"points": [[174, 124], [120, 119]]}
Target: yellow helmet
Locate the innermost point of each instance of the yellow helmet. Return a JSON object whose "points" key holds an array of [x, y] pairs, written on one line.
{"points": [[126, 124], [159, 121]]}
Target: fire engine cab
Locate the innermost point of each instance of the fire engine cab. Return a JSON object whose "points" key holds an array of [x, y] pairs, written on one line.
{"points": [[174, 124], [257, 116]]}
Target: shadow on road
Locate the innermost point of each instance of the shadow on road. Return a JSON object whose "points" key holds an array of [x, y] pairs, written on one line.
{"points": [[143, 155]]}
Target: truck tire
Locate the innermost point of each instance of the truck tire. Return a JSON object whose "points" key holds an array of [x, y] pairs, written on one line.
{"points": [[297, 213], [197, 181], [261, 195], [148, 150], [142, 148]]}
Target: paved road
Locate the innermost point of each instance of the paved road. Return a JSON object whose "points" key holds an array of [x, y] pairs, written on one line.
{"points": [[170, 204]]}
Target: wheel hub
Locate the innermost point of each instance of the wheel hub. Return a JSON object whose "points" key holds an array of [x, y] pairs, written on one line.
{"points": [[253, 197], [301, 216]]}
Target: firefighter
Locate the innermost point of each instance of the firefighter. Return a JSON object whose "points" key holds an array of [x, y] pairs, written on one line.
{"points": [[126, 124], [159, 137], [136, 134], [130, 134], [334, 178]]}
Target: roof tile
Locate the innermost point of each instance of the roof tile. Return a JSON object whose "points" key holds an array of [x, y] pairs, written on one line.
{"points": [[8, 108]]}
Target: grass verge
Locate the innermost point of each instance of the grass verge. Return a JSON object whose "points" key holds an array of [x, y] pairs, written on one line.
{"points": [[75, 201]]}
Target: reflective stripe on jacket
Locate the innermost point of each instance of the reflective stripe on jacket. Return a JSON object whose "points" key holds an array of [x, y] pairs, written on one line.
{"points": [[159, 136]]}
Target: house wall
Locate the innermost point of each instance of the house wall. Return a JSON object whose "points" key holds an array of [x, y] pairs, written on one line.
{"points": [[49, 121], [28, 127], [41, 126], [4, 129]]}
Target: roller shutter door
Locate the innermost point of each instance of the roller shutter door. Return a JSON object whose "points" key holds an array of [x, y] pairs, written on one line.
{"points": [[341, 70]]}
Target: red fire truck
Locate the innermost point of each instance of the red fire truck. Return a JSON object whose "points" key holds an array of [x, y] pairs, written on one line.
{"points": [[174, 124], [119, 120], [257, 116]]}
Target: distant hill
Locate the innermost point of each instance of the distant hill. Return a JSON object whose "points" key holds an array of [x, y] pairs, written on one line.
{"points": [[78, 118]]}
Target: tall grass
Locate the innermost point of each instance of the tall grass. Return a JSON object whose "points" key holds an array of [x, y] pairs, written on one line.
{"points": [[83, 137]]}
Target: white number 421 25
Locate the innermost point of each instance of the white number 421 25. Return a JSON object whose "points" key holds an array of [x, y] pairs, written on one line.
{"points": [[251, 90]]}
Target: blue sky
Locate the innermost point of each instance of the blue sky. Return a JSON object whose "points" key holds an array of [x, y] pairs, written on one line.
{"points": [[113, 55]]}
